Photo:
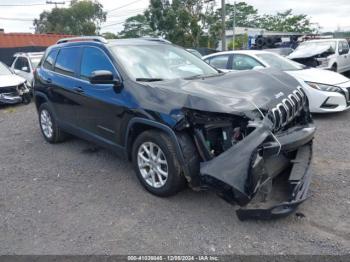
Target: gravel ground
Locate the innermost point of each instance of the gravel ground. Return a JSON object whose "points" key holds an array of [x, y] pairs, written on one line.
{"points": [[70, 198]]}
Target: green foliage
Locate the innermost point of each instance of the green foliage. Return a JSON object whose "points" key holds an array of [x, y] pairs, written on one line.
{"points": [[241, 42], [81, 18], [286, 21], [136, 26], [109, 35]]}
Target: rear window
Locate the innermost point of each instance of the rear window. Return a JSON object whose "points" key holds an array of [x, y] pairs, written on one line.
{"points": [[67, 61], [50, 59]]}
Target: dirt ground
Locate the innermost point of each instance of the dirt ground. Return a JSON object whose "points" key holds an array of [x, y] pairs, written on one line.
{"points": [[71, 198]]}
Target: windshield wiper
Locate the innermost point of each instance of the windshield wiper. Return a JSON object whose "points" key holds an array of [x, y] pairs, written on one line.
{"points": [[144, 79], [204, 76]]}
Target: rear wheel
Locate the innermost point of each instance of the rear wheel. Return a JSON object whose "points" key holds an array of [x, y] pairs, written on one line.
{"points": [[156, 164], [48, 125]]}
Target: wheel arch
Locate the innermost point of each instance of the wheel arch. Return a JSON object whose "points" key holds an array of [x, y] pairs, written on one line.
{"points": [[138, 125], [39, 99]]}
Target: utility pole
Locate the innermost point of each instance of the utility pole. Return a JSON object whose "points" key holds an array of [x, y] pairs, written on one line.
{"points": [[55, 3], [234, 26], [223, 26]]}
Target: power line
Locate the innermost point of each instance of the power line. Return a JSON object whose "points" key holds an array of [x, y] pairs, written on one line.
{"points": [[34, 4], [119, 23], [122, 6], [16, 19]]}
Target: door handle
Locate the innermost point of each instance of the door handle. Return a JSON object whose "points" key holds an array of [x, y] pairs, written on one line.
{"points": [[48, 81], [78, 89]]}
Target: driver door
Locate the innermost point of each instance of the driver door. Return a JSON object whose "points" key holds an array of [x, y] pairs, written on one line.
{"points": [[101, 105], [22, 68]]}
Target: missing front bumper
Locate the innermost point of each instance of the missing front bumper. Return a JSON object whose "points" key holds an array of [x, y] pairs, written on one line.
{"points": [[229, 173], [298, 183]]}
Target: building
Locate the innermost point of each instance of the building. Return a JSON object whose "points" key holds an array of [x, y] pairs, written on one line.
{"points": [[11, 43]]}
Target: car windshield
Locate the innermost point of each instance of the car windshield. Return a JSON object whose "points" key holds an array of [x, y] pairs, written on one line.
{"points": [[160, 62], [315, 44], [279, 62], [4, 70], [35, 61]]}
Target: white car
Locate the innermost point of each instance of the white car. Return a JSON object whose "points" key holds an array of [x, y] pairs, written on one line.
{"points": [[24, 64], [13, 88], [331, 54], [327, 91]]}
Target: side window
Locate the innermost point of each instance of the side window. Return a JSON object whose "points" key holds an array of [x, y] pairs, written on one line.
{"points": [[22, 64], [345, 47], [50, 59], [219, 61], [67, 61], [244, 62], [94, 59]]}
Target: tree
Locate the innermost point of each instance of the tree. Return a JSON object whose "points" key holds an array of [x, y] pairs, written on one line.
{"points": [[109, 35], [136, 26], [181, 21], [81, 18], [286, 22]]}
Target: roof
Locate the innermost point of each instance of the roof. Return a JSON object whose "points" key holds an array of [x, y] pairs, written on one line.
{"points": [[247, 52], [11, 40]]}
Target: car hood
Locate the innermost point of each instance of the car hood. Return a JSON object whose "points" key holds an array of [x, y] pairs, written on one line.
{"points": [[319, 76], [308, 51], [233, 92], [10, 80]]}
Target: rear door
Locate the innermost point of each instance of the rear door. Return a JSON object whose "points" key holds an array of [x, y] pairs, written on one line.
{"points": [[345, 57], [64, 85], [244, 62]]}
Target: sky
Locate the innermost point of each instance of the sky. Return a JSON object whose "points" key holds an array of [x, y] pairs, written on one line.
{"points": [[329, 14]]}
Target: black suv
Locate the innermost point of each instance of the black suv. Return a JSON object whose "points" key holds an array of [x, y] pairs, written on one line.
{"points": [[246, 135]]}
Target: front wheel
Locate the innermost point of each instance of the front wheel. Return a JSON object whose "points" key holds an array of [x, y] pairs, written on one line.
{"points": [[156, 164]]}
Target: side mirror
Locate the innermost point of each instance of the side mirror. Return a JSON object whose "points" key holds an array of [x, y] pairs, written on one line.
{"points": [[25, 69], [104, 77]]}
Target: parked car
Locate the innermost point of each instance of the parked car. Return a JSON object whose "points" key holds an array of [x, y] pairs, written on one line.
{"points": [[332, 54], [180, 120], [194, 52], [327, 91], [24, 64], [13, 88]]}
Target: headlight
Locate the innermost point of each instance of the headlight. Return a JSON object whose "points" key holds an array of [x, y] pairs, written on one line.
{"points": [[323, 87]]}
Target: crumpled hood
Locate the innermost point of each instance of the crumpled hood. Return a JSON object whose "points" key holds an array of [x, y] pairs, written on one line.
{"points": [[233, 92], [10, 80], [308, 51], [319, 76]]}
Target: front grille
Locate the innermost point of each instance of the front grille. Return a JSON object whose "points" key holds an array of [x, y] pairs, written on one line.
{"points": [[8, 89], [288, 109]]}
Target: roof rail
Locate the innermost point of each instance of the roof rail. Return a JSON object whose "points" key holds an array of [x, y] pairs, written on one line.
{"points": [[156, 39], [83, 38]]}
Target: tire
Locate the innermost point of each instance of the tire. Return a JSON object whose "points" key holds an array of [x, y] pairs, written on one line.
{"points": [[26, 98], [48, 125], [334, 68], [157, 184]]}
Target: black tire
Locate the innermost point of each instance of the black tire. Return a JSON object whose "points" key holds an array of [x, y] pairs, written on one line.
{"points": [[26, 98], [175, 180], [57, 134], [334, 68]]}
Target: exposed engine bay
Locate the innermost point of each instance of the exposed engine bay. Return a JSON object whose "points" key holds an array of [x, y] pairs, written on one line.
{"points": [[241, 157]]}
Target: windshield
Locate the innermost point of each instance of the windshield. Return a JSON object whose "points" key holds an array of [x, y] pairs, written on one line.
{"points": [[160, 62], [313, 44], [4, 70], [35, 61], [280, 62]]}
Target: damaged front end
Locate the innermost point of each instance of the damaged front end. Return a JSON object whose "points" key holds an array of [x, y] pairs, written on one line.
{"points": [[15, 94], [259, 161]]}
